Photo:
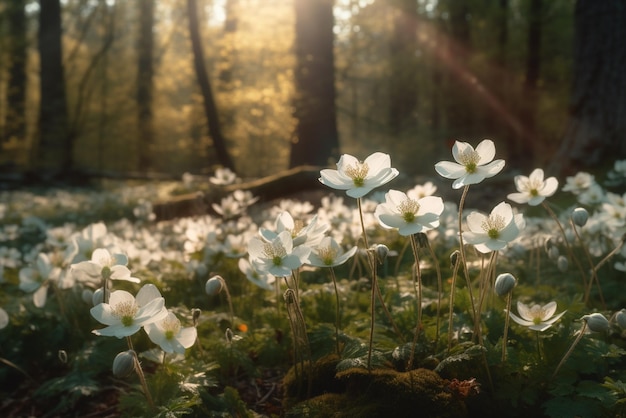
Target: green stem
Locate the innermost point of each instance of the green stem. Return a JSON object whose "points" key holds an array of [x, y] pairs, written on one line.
{"points": [[439, 290], [567, 246], [594, 277], [578, 338], [337, 313], [139, 370], [451, 303], [462, 250], [509, 297], [417, 285]]}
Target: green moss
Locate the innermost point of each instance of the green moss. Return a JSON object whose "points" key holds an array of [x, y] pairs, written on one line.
{"points": [[385, 392]]}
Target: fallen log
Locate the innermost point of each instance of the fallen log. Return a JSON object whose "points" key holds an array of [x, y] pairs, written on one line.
{"points": [[276, 186]]}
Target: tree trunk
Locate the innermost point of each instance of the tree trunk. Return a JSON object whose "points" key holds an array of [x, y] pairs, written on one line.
{"points": [[15, 124], [210, 108], [522, 156], [145, 84], [54, 153], [316, 140], [596, 127], [403, 79]]}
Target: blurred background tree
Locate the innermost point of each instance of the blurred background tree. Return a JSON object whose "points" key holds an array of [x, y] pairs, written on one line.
{"points": [[110, 86]]}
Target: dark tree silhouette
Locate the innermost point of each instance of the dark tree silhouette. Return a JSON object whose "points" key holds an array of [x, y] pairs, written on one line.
{"points": [[145, 83], [55, 147], [210, 108], [596, 127], [15, 123], [315, 140]]}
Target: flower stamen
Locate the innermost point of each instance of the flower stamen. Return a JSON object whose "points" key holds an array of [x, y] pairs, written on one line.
{"points": [[469, 158], [493, 225], [408, 208], [357, 173]]}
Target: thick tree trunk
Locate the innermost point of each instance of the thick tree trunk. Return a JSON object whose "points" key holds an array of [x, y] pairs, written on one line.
{"points": [[316, 140], [210, 108], [403, 80], [596, 127], [55, 148], [145, 83], [15, 124]]}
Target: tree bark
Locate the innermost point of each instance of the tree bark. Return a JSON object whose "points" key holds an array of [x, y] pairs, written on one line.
{"points": [[596, 126], [15, 123], [315, 140], [145, 84], [210, 107], [55, 148]]}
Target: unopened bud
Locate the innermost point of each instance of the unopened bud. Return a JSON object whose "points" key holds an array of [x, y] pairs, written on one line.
{"points": [[505, 283], [87, 296], [548, 244], [214, 285], [562, 264], [596, 322], [454, 258], [195, 316], [554, 253], [62, 356], [620, 318], [124, 364], [580, 216], [97, 297], [229, 335], [382, 251], [422, 240]]}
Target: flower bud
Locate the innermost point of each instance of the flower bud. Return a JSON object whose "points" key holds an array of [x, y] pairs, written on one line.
{"points": [[505, 283], [62, 356], [596, 322], [553, 253], [124, 364], [562, 263], [195, 315], [454, 258], [548, 244], [421, 239], [620, 318], [97, 297], [580, 216], [382, 251], [87, 296], [214, 285]]}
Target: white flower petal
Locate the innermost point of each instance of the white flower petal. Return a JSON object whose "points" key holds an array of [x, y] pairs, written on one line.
{"points": [[449, 169], [486, 150]]}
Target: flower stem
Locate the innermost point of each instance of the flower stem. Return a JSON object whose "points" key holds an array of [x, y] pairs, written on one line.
{"points": [[509, 297], [578, 338], [462, 250], [451, 303], [567, 246], [371, 256], [417, 285], [139, 371], [337, 313], [439, 290], [594, 277]]}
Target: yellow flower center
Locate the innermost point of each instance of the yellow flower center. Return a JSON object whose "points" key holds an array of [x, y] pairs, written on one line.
{"points": [[408, 209], [171, 325], [538, 314], [297, 227], [126, 312], [357, 173], [327, 255], [469, 158], [275, 252], [493, 225]]}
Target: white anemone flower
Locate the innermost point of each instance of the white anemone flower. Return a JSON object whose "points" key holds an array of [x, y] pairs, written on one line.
{"points": [[358, 178], [329, 254], [493, 232], [261, 279], [124, 315], [104, 265], [409, 216], [533, 189], [4, 318], [36, 279], [310, 234], [472, 165], [277, 257], [170, 335], [536, 317]]}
